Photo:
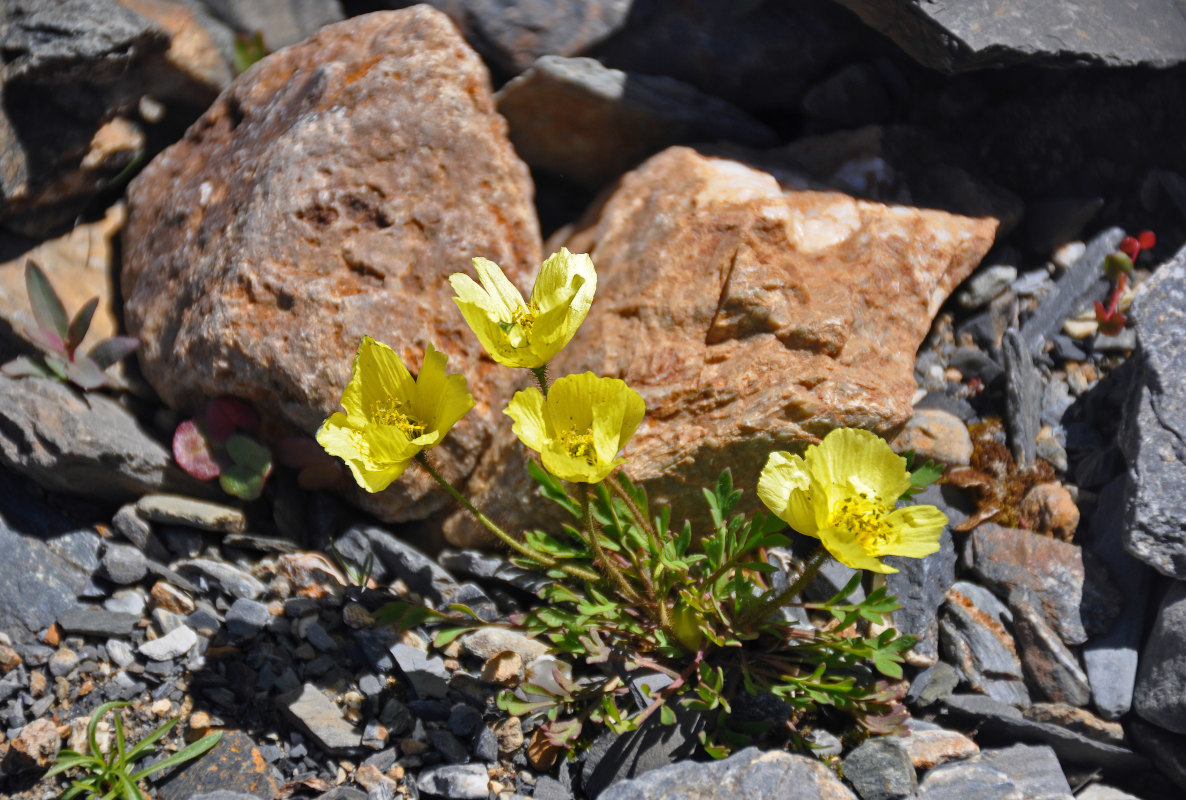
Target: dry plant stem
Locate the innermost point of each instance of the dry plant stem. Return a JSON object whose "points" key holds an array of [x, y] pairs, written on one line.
{"points": [[599, 553], [782, 598], [502, 535]]}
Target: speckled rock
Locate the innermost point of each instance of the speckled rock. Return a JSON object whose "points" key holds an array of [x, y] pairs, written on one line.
{"points": [[936, 435], [325, 196]]}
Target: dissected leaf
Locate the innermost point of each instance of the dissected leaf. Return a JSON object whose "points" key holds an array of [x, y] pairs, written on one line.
{"points": [[47, 307], [192, 452]]}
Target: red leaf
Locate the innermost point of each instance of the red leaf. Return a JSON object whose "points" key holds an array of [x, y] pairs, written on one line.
{"points": [[191, 451], [225, 414], [1147, 239]]}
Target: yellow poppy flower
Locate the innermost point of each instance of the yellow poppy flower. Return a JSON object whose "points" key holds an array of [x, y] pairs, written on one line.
{"points": [[843, 492], [390, 417], [580, 427], [527, 334]]}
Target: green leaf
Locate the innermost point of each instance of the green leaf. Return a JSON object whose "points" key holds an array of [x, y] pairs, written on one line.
{"points": [[112, 349], [249, 453], [241, 482], [47, 307], [444, 637], [666, 715], [181, 756], [84, 372], [406, 615], [25, 367], [80, 325], [551, 488]]}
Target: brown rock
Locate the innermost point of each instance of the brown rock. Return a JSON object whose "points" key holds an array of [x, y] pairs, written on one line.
{"points": [[1073, 590], [936, 435], [1051, 510], [1049, 664], [930, 747], [541, 753], [10, 659], [749, 318], [503, 669], [509, 733], [325, 196], [171, 598], [1079, 720], [78, 265], [37, 745]]}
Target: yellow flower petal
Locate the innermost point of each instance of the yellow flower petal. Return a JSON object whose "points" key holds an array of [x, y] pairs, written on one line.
{"points": [[580, 427], [917, 531], [846, 549], [785, 487], [860, 460]]}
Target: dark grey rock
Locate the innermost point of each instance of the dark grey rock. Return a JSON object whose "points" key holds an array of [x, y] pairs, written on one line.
{"points": [[920, 586], [182, 542], [476, 600], [932, 685], [246, 618], [426, 674], [455, 782], [490, 566], [343, 793], [463, 719], [862, 93], [280, 22], [124, 564], [1168, 750], [137, 530], [222, 794], [880, 769], [956, 406], [231, 580], [1000, 722], [450, 749], [975, 363], [422, 575], [589, 123], [963, 36], [750, 773], [82, 443], [978, 644], [1023, 393], [485, 745], [1084, 282], [1153, 435], [97, 621], [1034, 769], [321, 718], [1049, 664], [320, 638], [968, 780], [1111, 658], [548, 788], [1160, 694]]}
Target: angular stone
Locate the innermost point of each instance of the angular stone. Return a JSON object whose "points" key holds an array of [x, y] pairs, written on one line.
{"points": [[1078, 720], [340, 225], [968, 780], [455, 781], [235, 764], [82, 443], [797, 312], [936, 435], [37, 744], [1075, 594], [1160, 694], [1049, 664], [191, 513], [1111, 658], [174, 644], [485, 643], [246, 618], [1022, 397], [97, 622], [399, 560], [880, 769], [1152, 436], [580, 119], [964, 36], [320, 716], [749, 773], [920, 584], [974, 640], [232, 580], [1051, 511], [1033, 769], [427, 675], [929, 745]]}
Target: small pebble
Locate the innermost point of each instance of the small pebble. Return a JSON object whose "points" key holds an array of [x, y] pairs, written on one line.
{"points": [[199, 514], [1051, 510], [172, 645]]}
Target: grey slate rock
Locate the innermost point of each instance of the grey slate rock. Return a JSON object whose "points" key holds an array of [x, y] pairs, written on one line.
{"points": [[969, 35], [343, 793], [1153, 434], [137, 530], [1034, 769], [173, 644], [426, 674], [1023, 393], [83, 444], [880, 769], [920, 586], [422, 575], [321, 718], [191, 512], [933, 685], [97, 621], [1049, 664], [246, 618], [589, 123], [1078, 287], [124, 564], [490, 566], [1111, 658], [281, 22], [548, 788], [1001, 722], [1160, 694], [613, 758], [976, 642], [231, 580], [455, 782], [749, 774]]}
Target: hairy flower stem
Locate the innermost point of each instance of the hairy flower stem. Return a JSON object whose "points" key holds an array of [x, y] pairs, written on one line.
{"points": [[519, 547], [541, 377], [635, 512], [768, 607], [615, 575]]}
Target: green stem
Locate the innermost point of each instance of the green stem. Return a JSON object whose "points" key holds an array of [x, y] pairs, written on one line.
{"points": [[519, 547], [635, 511], [541, 377], [766, 607], [627, 591]]}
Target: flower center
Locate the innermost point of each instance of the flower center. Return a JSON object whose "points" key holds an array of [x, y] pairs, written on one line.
{"points": [[580, 445], [389, 412], [865, 517]]}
